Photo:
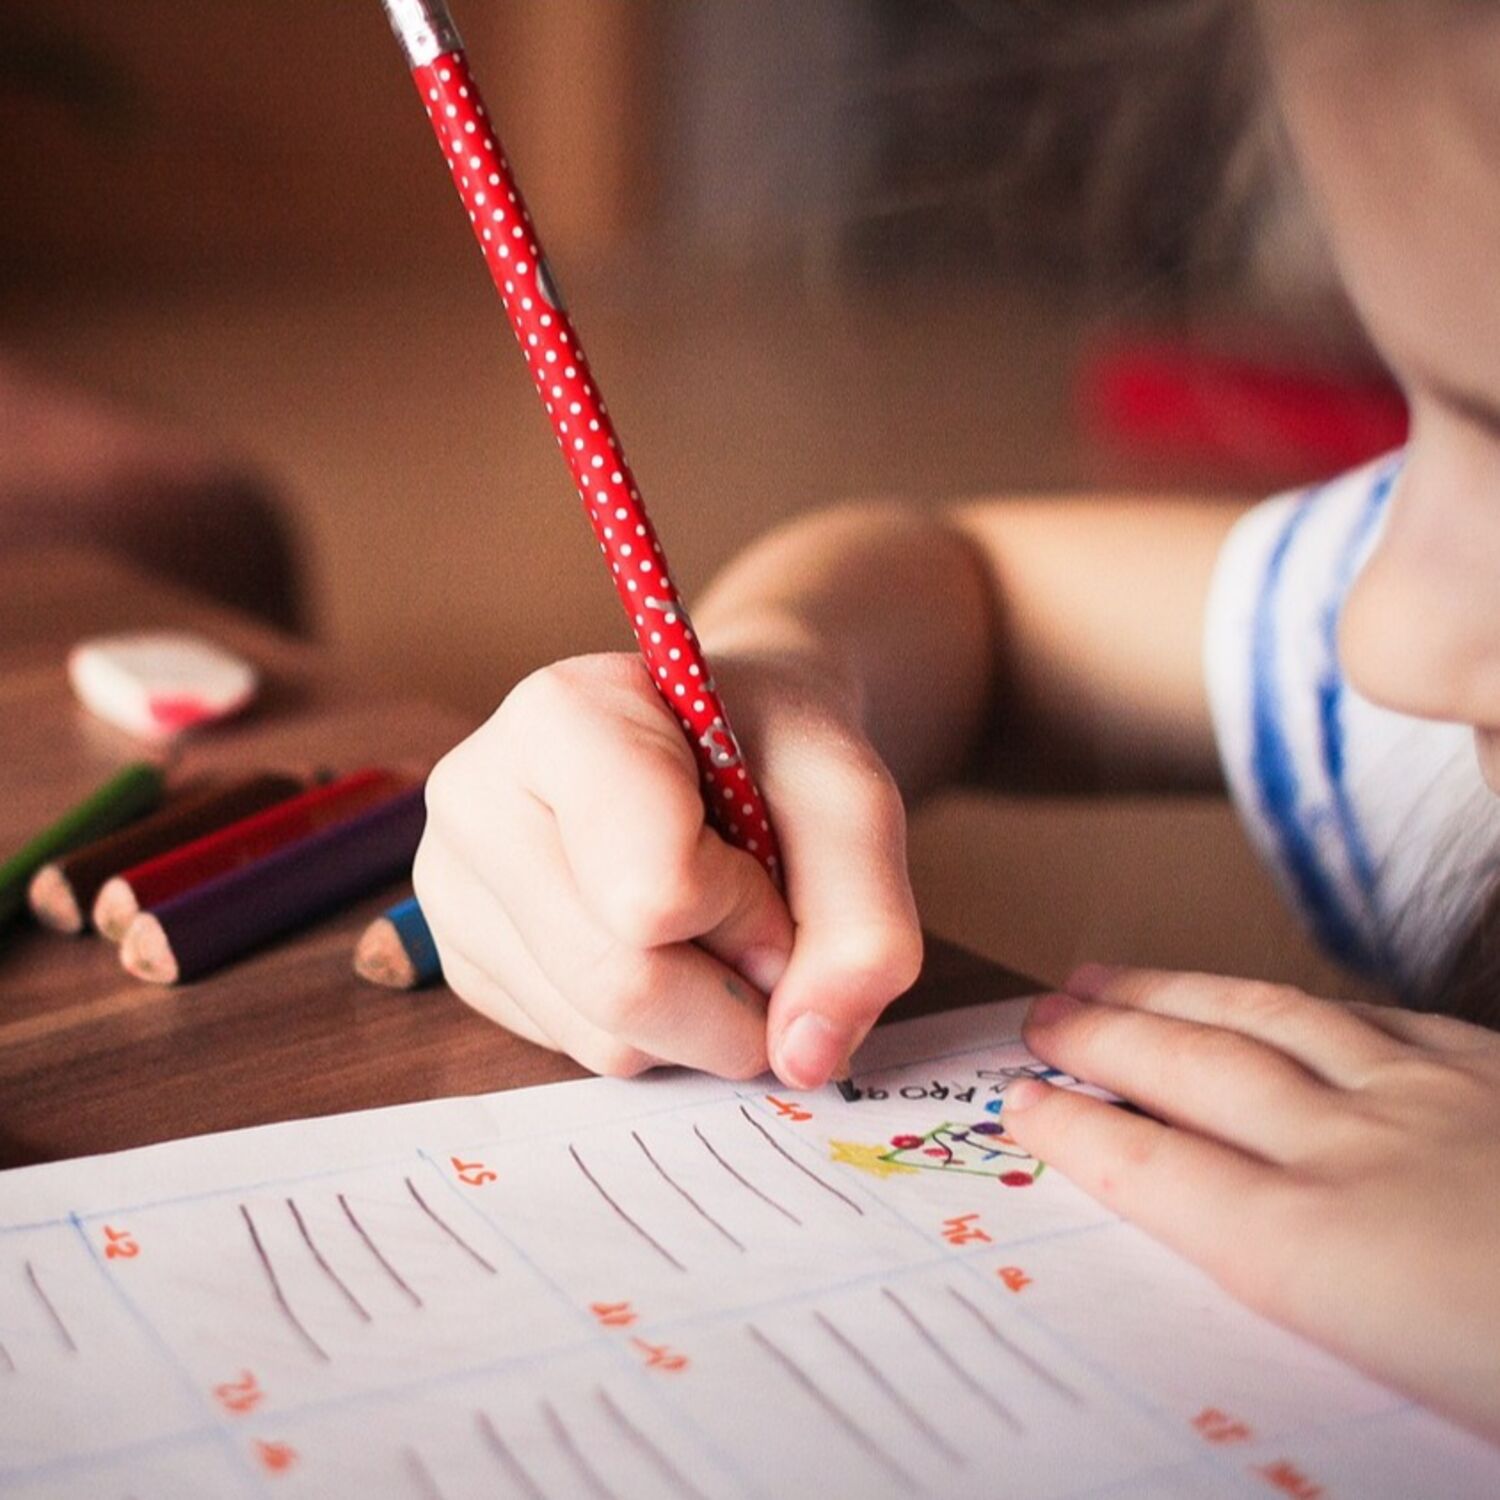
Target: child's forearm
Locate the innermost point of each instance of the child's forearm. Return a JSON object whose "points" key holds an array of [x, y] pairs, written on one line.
{"points": [[1052, 642], [889, 602]]}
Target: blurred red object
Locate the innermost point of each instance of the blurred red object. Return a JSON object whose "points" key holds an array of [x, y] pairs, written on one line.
{"points": [[1172, 398]]}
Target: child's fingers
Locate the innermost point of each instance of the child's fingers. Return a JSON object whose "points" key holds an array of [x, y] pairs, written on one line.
{"points": [[859, 943], [569, 1033], [1215, 1080], [625, 793], [481, 991], [487, 966], [1324, 1036], [1202, 1198], [675, 1002], [752, 931], [1424, 1029]]}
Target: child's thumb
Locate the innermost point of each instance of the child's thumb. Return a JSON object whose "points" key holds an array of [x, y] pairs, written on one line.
{"points": [[858, 941]]}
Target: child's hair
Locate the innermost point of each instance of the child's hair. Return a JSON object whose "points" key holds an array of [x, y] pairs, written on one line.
{"points": [[1461, 896], [1128, 140], [1433, 832]]}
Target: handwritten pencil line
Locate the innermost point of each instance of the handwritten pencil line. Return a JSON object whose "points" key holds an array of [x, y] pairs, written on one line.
{"points": [[811, 1388], [374, 1249], [318, 1351], [421, 1475], [10, 1363], [575, 1455], [683, 1193], [776, 1146], [1015, 1351], [500, 1450], [322, 1261], [599, 1188], [892, 1391], [945, 1355], [448, 1229], [642, 1444], [52, 1313], [744, 1181]]}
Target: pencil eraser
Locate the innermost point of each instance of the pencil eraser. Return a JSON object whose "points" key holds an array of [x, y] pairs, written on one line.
{"points": [[157, 685]]}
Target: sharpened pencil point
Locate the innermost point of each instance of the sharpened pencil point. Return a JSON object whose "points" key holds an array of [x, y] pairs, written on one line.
{"points": [[115, 909], [381, 958], [146, 953], [52, 901], [847, 1090]]}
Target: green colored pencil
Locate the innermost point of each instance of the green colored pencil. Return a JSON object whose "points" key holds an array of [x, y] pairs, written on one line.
{"points": [[125, 796]]}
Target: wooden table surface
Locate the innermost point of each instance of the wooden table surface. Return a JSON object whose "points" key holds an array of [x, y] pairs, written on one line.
{"points": [[91, 1060]]}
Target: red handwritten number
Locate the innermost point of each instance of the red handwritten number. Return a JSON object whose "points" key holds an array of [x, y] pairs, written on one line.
{"points": [[1290, 1480], [788, 1110], [119, 1244], [240, 1395], [474, 1173], [614, 1314], [963, 1229], [660, 1357], [1013, 1277], [275, 1458], [1215, 1426]]}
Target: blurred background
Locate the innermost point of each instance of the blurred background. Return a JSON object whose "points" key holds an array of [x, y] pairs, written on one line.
{"points": [[817, 249]]}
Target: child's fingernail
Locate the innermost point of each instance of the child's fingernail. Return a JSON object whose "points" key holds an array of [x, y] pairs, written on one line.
{"points": [[1023, 1093], [1052, 1008], [809, 1051], [763, 967], [1089, 981]]}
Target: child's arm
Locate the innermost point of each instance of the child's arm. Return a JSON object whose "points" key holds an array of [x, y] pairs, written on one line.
{"points": [[1336, 1167], [577, 894], [1055, 640]]}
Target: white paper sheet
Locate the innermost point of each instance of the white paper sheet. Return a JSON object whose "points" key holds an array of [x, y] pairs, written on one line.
{"points": [[672, 1287]]}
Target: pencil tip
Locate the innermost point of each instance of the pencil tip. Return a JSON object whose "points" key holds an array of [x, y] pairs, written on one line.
{"points": [[847, 1091], [381, 959], [53, 902], [114, 908], [146, 953]]}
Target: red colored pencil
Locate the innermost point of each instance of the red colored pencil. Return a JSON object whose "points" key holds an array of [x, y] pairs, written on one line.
{"points": [[235, 913], [154, 881], [63, 892], [517, 264]]}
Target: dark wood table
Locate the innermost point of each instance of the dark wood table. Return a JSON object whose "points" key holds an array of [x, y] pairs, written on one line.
{"points": [[92, 1060]]}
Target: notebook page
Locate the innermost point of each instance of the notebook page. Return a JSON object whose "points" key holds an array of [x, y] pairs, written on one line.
{"points": [[667, 1287]]}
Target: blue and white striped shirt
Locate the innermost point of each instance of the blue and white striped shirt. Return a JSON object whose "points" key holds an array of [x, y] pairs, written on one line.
{"points": [[1355, 809]]}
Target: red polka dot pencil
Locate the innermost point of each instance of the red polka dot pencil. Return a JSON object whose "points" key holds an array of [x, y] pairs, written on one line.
{"points": [[585, 433]]}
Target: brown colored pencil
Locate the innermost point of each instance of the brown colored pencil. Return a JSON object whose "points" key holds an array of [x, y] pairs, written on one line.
{"points": [[236, 912], [62, 893], [153, 881]]}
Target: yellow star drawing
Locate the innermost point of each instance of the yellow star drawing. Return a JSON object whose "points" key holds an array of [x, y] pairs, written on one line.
{"points": [[871, 1159]]}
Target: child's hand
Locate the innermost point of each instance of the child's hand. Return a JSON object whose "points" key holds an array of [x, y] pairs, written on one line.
{"points": [[579, 896], [1336, 1167]]}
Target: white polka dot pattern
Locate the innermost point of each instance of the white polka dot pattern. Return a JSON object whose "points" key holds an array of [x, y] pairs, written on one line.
{"points": [[587, 439]]}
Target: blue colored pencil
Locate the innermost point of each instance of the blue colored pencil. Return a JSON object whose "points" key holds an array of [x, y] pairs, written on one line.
{"points": [[397, 951]]}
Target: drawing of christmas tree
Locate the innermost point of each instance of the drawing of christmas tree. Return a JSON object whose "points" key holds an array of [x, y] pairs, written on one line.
{"points": [[979, 1150]]}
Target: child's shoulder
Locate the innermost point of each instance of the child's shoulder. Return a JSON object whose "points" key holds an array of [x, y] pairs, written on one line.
{"points": [[1352, 807], [1300, 551]]}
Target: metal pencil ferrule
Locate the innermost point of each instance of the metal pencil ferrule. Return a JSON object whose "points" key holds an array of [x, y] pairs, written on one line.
{"points": [[424, 28]]}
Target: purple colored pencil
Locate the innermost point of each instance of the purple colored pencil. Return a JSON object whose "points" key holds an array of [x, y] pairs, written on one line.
{"points": [[221, 919]]}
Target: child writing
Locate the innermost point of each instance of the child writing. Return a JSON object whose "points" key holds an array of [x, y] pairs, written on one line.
{"points": [[1335, 657]]}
